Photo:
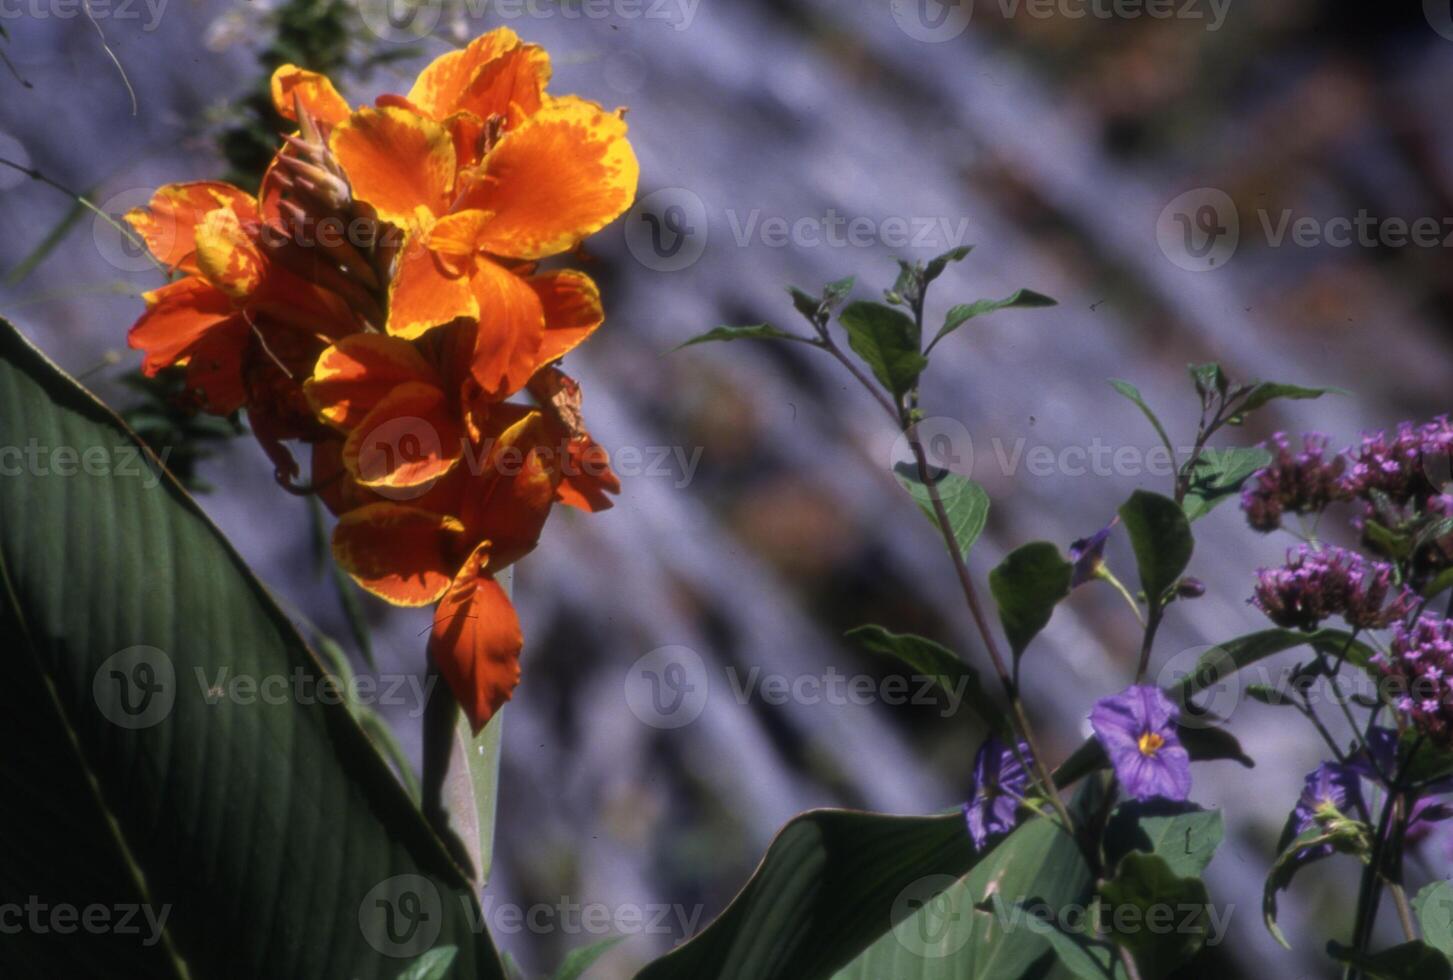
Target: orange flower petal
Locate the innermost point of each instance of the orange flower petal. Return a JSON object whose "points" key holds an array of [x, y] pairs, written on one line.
{"points": [[168, 223], [424, 294], [565, 173], [409, 440], [398, 161], [513, 496], [177, 316], [476, 642], [572, 311], [588, 477], [354, 375], [399, 553], [226, 255], [454, 239], [317, 94], [511, 86], [440, 85], [214, 366], [511, 329]]}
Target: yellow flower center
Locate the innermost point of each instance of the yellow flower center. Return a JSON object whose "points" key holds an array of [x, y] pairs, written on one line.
{"points": [[1150, 743]]}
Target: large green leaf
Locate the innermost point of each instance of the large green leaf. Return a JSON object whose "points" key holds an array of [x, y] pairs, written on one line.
{"points": [[267, 829], [985, 927], [1187, 839], [1218, 476], [887, 341], [829, 885], [958, 680], [964, 501]]}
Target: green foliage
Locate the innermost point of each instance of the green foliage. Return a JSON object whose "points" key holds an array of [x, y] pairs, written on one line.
{"points": [[1218, 475], [829, 885], [1161, 537], [1409, 961], [166, 419], [580, 960], [1434, 909], [933, 660], [433, 965], [964, 312], [1226, 659], [1027, 586], [966, 503], [756, 331], [1265, 392], [1133, 393], [887, 340], [1186, 841], [1344, 834], [1160, 916], [271, 829]]}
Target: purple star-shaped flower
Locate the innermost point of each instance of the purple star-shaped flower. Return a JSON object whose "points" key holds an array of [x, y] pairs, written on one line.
{"points": [[1329, 785], [999, 782], [1137, 729], [1088, 554]]}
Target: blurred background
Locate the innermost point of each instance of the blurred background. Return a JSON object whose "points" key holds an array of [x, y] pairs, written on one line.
{"points": [[1148, 165]]}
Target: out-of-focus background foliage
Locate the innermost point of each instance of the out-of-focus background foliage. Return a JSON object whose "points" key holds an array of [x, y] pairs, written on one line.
{"points": [[1057, 144]]}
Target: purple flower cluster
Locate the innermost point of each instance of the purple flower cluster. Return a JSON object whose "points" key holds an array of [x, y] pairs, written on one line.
{"points": [[1407, 465], [1317, 583], [1302, 483], [1420, 663]]}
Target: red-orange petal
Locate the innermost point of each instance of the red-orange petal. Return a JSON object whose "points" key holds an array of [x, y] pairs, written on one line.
{"points": [[511, 86], [409, 440], [510, 501], [177, 316], [563, 174], [400, 162], [511, 329], [168, 223], [214, 366], [355, 374], [476, 641], [317, 94], [399, 553], [573, 311], [425, 294]]}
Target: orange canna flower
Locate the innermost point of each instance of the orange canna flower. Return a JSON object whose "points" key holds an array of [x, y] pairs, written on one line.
{"points": [[487, 174], [246, 329]]}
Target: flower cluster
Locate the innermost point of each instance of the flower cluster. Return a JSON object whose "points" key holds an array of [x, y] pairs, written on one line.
{"points": [[1404, 465], [381, 299], [1420, 662], [1302, 483], [1317, 583]]}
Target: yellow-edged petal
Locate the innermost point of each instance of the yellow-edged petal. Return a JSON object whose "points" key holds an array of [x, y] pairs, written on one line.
{"points": [[355, 374], [443, 81], [226, 256], [168, 223], [565, 173], [399, 162], [291, 84], [408, 440], [425, 293], [399, 553]]}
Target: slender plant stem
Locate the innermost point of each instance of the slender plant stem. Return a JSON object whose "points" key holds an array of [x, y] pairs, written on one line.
{"points": [[1152, 626], [1128, 961], [904, 423]]}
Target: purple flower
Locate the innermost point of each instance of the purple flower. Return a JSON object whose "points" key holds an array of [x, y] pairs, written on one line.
{"points": [[1137, 729], [1088, 554], [1402, 465], [1317, 583], [1420, 665], [1330, 789], [1303, 483], [999, 783]]}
